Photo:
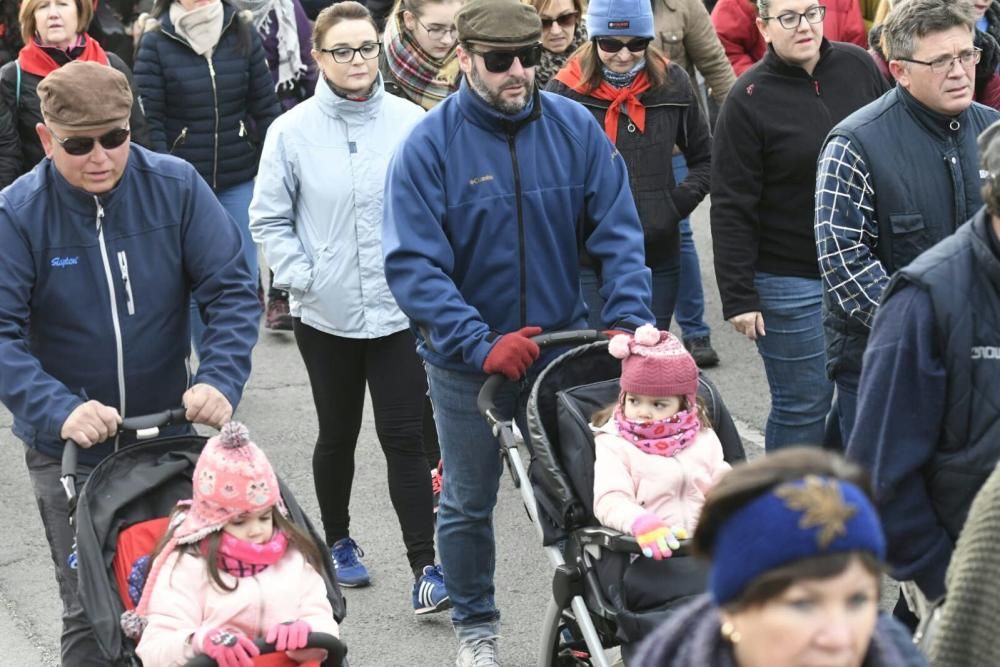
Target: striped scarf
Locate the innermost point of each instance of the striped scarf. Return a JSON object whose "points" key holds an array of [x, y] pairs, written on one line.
{"points": [[424, 79]]}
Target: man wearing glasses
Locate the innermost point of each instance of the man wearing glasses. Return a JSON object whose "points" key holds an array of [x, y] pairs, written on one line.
{"points": [[103, 244], [896, 177], [487, 204]]}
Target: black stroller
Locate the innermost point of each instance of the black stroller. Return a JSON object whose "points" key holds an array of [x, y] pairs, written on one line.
{"points": [[591, 609], [120, 513]]}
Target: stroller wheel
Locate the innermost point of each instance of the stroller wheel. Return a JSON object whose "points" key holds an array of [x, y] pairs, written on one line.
{"points": [[571, 650]]}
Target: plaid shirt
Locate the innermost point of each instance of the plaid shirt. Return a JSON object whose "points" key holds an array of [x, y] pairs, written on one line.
{"points": [[847, 232]]}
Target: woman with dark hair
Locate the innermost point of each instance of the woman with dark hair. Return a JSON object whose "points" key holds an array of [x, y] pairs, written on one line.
{"points": [[209, 99], [418, 62], [54, 33], [646, 105], [796, 551], [563, 32]]}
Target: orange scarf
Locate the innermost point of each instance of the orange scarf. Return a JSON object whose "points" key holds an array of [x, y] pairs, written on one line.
{"points": [[628, 97]]}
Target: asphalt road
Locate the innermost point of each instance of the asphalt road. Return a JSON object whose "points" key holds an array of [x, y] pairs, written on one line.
{"points": [[381, 629]]}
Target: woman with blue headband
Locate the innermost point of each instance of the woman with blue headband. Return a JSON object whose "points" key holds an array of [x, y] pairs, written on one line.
{"points": [[796, 551]]}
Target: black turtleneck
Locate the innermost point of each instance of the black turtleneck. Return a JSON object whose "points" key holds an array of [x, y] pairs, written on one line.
{"points": [[768, 137]]}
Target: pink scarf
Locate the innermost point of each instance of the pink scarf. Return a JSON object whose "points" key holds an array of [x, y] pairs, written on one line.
{"points": [[663, 437], [243, 559]]}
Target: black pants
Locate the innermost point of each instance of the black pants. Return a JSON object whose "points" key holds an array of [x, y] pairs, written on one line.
{"points": [[339, 368]]}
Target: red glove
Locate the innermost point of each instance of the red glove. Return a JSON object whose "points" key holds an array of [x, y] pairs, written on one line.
{"points": [[289, 636], [229, 647], [513, 353]]}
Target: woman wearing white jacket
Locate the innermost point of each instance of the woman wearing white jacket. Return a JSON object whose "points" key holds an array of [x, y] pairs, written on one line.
{"points": [[317, 212]]}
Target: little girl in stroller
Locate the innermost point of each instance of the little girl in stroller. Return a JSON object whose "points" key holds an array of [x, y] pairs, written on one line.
{"points": [[656, 453], [230, 568]]}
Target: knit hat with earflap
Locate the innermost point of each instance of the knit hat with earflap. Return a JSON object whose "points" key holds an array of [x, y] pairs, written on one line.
{"points": [[655, 363], [232, 477], [620, 18]]}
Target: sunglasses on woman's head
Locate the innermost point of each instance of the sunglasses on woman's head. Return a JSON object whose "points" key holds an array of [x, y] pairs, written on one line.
{"points": [[567, 20], [610, 45], [83, 145], [501, 61]]}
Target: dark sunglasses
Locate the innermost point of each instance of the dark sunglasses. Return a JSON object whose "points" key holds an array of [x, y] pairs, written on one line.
{"points": [[501, 61], [609, 45], [567, 20], [83, 145]]}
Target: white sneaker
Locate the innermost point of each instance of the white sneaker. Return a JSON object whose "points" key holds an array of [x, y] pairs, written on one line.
{"points": [[478, 653]]}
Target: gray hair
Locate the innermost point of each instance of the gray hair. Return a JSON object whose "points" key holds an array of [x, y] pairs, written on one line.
{"points": [[910, 19]]}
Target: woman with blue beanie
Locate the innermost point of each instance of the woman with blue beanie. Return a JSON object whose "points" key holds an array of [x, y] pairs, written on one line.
{"points": [[646, 105], [796, 550]]}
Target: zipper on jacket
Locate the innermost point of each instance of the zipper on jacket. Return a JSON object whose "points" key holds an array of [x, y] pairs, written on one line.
{"points": [[215, 98], [181, 138], [816, 86], [123, 265], [114, 308], [243, 129], [520, 231]]}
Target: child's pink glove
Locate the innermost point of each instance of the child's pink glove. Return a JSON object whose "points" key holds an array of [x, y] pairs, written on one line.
{"points": [[289, 636], [229, 647], [655, 538]]}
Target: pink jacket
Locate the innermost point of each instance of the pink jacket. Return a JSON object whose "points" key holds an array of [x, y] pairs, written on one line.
{"points": [[629, 482], [185, 604]]}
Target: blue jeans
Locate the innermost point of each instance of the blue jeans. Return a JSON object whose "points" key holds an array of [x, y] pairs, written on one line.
{"points": [[794, 354], [666, 278], [236, 201], [471, 455], [847, 403], [690, 308]]}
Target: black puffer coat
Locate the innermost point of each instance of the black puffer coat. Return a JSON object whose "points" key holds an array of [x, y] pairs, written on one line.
{"points": [[212, 113], [27, 112]]}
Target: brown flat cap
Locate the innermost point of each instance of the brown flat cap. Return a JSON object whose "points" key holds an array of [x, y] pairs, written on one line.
{"points": [[498, 23], [85, 96]]}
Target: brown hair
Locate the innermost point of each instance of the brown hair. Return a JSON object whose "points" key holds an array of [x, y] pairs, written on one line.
{"points": [[542, 5], [592, 72], [991, 197], [416, 7], [601, 417], [298, 538], [338, 13], [84, 15]]}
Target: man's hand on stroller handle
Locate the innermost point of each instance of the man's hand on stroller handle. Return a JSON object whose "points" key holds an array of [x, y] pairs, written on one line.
{"points": [[228, 646], [513, 353], [656, 539], [90, 423], [206, 405]]}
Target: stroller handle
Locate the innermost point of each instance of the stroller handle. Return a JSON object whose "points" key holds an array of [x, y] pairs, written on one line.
{"points": [[486, 401], [336, 650], [141, 425]]}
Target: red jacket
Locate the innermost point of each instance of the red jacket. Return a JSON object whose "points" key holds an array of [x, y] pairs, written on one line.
{"points": [[734, 22]]}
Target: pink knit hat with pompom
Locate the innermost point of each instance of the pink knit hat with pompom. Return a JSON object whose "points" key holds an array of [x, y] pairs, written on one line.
{"points": [[655, 363]]}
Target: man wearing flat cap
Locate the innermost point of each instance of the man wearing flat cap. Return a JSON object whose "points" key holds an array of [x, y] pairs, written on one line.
{"points": [[488, 204], [930, 384], [104, 244]]}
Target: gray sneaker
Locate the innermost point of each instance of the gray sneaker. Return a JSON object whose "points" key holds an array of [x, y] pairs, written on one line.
{"points": [[478, 653]]}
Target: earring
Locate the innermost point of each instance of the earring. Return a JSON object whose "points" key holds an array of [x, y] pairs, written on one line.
{"points": [[730, 634]]}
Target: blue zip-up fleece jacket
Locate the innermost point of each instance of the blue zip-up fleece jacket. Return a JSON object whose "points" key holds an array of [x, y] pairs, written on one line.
{"points": [[105, 282], [484, 218]]}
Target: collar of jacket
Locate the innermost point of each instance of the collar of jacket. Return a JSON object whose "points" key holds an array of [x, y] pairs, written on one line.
{"points": [[336, 106], [228, 12], [776, 63], [985, 244], [479, 112], [941, 127], [81, 201]]}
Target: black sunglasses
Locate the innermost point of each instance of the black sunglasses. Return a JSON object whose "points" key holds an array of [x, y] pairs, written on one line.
{"points": [[567, 20], [83, 145], [501, 61], [610, 45]]}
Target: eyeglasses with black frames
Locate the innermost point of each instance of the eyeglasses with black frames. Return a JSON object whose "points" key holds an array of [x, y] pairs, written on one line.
{"points": [[792, 20], [83, 145], [501, 61], [345, 54], [968, 58]]}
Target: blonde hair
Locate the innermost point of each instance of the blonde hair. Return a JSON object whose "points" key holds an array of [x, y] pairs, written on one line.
{"points": [[884, 7], [84, 15]]}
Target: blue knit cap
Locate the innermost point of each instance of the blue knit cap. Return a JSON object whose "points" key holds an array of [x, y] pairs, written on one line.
{"points": [[620, 18], [814, 516]]}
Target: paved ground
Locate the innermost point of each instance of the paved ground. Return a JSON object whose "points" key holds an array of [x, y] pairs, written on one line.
{"points": [[381, 629]]}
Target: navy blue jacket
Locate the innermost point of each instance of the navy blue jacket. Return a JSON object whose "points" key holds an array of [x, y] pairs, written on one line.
{"points": [[106, 282], [212, 113], [484, 213]]}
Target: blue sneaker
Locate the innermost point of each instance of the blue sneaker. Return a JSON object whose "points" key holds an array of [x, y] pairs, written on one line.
{"points": [[429, 592], [351, 572]]}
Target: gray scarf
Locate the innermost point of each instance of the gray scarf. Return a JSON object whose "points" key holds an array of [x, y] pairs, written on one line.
{"points": [[290, 66], [200, 27]]}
